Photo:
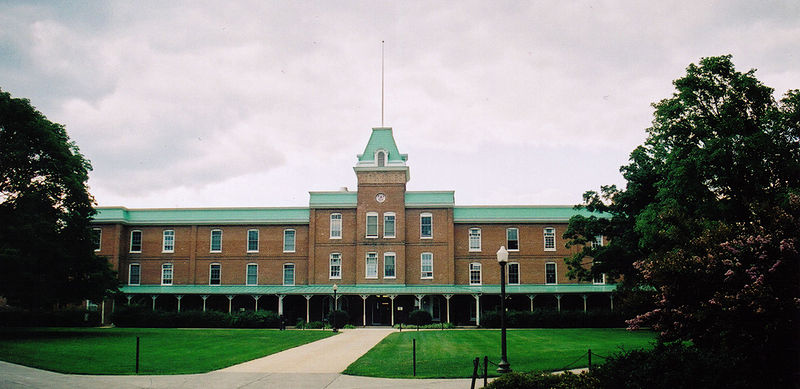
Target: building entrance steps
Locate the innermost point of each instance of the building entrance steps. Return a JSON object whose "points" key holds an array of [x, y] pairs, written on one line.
{"points": [[329, 355]]}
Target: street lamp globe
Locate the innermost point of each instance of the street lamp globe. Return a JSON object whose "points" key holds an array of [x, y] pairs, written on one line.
{"points": [[502, 255]]}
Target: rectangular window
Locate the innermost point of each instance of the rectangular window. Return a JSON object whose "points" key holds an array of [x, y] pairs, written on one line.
{"points": [[513, 273], [550, 273], [474, 273], [599, 279], [252, 241], [389, 265], [216, 241], [336, 226], [134, 274], [215, 274], [549, 239], [252, 274], [336, 266], [288, 274], [426, 225], [97, 237], [166, 274], [426, 265], [512, 239], [372, 265], [388, 225], [168, 241], [136, 241], [288, 241], [474, 239], [598, 241], [372, 224]]}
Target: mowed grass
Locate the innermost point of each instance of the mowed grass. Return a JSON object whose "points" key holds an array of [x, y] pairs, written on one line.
{"points": [[449, 354], [162, 350]]}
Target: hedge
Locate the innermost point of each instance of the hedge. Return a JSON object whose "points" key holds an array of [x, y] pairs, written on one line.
{"points": [[66, 318], [139, 316], [554, 319]]}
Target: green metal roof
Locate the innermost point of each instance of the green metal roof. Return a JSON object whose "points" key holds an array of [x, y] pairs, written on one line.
{"points": [[333, 199], [366, 289], [202, 215], [510, 214], [430, 199], [382, 138]]}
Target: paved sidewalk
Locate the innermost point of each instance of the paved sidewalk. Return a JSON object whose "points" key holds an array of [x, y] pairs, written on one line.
{"points": [[329, 355], [315, 366]]}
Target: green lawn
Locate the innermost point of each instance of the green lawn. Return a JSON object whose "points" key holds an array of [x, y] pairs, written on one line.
{"points": [[449, 354], [162, 351]]}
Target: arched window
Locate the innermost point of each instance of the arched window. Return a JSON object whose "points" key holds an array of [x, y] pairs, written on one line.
{"points": [[380, 157]]}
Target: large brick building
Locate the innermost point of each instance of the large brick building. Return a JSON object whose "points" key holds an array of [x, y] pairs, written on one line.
{"points": [[389, 250]]}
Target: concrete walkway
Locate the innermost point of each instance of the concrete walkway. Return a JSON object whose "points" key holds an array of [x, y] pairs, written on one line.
{"points": [[313, 365]]}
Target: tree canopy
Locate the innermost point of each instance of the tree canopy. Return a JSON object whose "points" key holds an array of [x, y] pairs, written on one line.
{"points": [[46, 247], [710, 217]]}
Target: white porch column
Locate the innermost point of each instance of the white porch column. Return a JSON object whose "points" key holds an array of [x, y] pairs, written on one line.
{"points": [[179, 297], [256, 297], [308, 307], [280, 304], [584, 302], [447, 297], [392, 297], [154, 297], [230, 303], [364, 309], [204, 297], [611, 297], [531, 296], [477, 309], [558, 297], [103, 312], [419, 300], [129, 297]]}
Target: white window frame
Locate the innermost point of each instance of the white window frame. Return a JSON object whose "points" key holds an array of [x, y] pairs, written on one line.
{"points": [[378, 154], [555, 273], [598, 241], [247, 274], [211, 272], [164, 247], [475, 267], [508, 273], [139, 275], [474, 236], [258, 238], [422, 216], [294, 240], [602, 279], [97, 238], [141, 238], [394, 265], [371, 267], [336, 225], [294, 273], [211, 241], [508, 241], [366, 232], [549, 232], [164, 267], [386, 216], [425, 275], [337, 275]]}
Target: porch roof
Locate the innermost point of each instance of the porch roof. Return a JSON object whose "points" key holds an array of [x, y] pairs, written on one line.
{"points": [[364, 289]]}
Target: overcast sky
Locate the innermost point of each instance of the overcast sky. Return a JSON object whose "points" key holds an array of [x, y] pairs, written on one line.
{"points": [[195, 104]]}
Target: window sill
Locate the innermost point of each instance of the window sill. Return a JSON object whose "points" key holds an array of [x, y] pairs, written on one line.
{"points": [[289, 252], [390, 278], [252, 252], [549, 249], [477, 251], [335, 238], [215, 252], [168, 252], [335, 278]]}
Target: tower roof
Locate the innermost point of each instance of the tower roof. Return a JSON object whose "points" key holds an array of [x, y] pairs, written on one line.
{"points": [[382, 139]]}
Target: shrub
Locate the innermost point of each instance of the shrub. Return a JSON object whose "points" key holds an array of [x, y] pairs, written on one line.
{"points": [[554, 319], [257, 319], [539, 380], [65, 318], [419, 318], [348, 326], [315, 325], [432, 326], [141, 316], [342, 318]]}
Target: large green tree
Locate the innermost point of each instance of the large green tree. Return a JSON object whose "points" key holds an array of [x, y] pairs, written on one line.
{"points": [[46, 249], [710, 218]]}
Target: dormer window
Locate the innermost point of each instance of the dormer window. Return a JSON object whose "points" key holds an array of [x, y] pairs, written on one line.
{"points": [[380, 158]]}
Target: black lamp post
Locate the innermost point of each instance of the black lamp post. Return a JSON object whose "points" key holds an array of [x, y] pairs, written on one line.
{"points": [[335, 288], [502, 259]]}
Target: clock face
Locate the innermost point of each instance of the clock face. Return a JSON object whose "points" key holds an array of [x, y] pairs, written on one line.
{"points": [[380, 197]]}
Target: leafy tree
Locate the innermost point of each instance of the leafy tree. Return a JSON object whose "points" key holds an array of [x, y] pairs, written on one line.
{"points": [[710, 218], [46, 248]]}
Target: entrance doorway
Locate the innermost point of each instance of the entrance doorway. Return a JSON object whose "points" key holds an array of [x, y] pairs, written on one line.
{"points": [[381, 310]]}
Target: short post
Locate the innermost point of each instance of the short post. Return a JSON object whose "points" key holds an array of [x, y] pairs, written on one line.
{"points": [[485, 370], [475, 363], [401, 326], [137, 355], [590, 359], [414, 356]]}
